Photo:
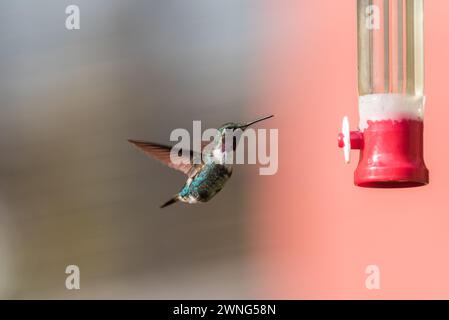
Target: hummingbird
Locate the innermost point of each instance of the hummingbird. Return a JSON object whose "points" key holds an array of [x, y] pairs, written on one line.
{"points": [[207, 178]]}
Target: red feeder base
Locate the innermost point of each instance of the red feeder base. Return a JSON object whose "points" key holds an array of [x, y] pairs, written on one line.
{"points": [[391, 155]]}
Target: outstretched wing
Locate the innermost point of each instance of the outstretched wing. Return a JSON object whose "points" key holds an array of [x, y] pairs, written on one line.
{"points": [[162, 153]]}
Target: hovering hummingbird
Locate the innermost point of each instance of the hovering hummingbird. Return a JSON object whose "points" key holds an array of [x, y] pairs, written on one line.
{"points": [[206, 179]]}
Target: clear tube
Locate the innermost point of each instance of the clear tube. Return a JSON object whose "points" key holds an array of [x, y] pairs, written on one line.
{"points": [[390, 47]]}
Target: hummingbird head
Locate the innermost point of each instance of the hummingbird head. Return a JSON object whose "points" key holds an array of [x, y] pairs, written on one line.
{"points": [[232, 127]]}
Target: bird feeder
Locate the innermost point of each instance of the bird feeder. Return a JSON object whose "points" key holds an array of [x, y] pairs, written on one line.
{"points": [[391, 96]]}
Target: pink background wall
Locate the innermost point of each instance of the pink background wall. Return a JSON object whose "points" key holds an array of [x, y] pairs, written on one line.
{"points": [[315, 231]]}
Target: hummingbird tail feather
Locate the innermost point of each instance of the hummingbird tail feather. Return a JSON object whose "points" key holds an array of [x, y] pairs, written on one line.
{"points": [[171, 201]]}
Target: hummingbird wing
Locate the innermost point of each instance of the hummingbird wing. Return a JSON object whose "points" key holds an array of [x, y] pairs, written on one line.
{"points": [[162, 153]]}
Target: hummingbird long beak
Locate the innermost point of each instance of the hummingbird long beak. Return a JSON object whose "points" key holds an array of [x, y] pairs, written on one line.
{"points": [[255, 121]]}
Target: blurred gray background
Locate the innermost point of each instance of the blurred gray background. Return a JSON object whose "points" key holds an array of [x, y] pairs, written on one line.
{"points": [[73, 191]]}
